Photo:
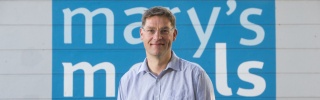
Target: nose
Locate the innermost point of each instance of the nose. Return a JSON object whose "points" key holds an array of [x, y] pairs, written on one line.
{"points": [[157, 35]]}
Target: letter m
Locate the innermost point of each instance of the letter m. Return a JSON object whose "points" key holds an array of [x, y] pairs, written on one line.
{"points": [[88, 77], [68, 14]]}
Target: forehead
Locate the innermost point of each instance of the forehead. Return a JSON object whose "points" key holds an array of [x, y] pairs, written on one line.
{"points": [[157, 22]]}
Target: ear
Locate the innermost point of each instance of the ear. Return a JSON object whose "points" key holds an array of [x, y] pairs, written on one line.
{"points": [[175, 33], [141, 34]]}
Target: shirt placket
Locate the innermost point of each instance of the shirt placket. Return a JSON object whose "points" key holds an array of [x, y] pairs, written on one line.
{"points": [[157, 89]]}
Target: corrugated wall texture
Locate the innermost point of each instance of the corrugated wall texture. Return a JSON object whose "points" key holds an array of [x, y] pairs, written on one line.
{"points": [[25, 49], [26, 55], [298, 49]]}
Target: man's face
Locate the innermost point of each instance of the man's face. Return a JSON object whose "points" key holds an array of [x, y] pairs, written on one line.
{"points": [[157, 35]]}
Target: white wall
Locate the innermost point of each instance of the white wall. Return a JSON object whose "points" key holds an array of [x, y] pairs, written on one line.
{"points": [[26, 42], [298, 49], [25, 49]]}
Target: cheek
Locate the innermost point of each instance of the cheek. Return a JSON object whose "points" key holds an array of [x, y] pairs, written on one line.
{"points": [[171, 39], [145, 40], [142, 37]]}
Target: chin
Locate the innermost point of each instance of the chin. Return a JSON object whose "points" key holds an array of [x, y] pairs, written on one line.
{"points": [[155, 53]]}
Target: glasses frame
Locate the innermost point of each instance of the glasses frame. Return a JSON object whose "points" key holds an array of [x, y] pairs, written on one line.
{"points": [[152, 31]]}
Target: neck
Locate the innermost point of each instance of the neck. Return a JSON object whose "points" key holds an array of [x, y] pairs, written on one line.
{"points": [[157, 64]]}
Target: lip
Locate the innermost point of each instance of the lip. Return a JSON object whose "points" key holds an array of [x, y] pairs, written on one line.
{"points": [[157, 44]]}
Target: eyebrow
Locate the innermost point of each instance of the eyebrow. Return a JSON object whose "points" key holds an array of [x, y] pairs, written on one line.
{"points": [[149, 27]]}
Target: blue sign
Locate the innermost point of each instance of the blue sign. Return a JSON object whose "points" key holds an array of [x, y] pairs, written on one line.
{"points": [[96, 42]]}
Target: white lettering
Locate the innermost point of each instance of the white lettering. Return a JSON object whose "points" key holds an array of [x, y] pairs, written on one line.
{"points": [[258, 82], [128, 30], [203, 36], [251, 26], [221, 70], [68, 14], [232, 5], [89, 71], [175, 10]]}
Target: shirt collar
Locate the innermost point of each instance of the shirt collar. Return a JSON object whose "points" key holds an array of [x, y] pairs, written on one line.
{"points": [[173, 64]]}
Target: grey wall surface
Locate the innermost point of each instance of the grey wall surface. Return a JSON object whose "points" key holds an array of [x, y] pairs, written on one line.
{"points": [[298, 49], [26, 49]]}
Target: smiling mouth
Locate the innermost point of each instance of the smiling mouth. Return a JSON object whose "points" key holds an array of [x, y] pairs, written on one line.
{"points": [[157, 44]]}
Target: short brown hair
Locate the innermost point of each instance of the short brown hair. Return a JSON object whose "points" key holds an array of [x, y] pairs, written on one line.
{"points": [[159, 11]]}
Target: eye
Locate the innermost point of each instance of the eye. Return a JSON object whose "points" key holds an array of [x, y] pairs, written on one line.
{"points": [[165, 31], [150, 31]]}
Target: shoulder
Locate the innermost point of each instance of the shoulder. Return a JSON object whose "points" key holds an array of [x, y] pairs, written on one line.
{"points": [[192, 66], [197, 74], [134, 70], [126, 80]]}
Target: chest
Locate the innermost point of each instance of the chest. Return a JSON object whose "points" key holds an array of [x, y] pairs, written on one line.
{"points": [[171, 86]]}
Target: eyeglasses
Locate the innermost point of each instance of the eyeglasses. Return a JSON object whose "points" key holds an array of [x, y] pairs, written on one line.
{"points": [[164, 31]]}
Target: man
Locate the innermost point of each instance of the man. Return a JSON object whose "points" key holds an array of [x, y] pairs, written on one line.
{"points": [[163, 75]]}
